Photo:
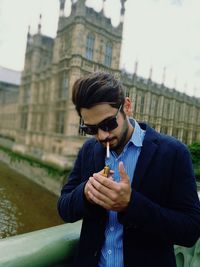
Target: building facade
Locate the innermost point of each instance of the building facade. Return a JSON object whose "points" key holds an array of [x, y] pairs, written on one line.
{"points": [[86, 41], [9, 92]]}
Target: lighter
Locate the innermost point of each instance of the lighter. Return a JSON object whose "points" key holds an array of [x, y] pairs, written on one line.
{"points": [[106, 170]]}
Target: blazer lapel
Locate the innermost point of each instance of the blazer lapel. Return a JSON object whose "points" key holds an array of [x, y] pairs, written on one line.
{"points": [[99, 157], [148, 150]]}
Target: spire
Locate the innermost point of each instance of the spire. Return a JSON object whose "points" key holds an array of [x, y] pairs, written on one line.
{"points": [[164, 75], [122, 12], [29, 34], [62, 7], [103, 6], [136, 67], [150, 73], [29, 37], [39, 24], [81, 1], [80, 8]]}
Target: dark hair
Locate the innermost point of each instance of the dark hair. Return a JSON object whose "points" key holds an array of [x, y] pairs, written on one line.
{"points": [[96, 88]]}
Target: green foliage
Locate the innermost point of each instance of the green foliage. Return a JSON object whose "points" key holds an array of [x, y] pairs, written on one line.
{"points": [[52, 169], [195, 153]]}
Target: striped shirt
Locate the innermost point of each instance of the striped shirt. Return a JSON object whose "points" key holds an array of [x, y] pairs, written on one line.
{"points": [[111, 253]]}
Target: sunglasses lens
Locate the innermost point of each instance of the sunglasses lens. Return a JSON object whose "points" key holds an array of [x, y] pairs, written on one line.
{"points": [[89, 130], [109, 125]]}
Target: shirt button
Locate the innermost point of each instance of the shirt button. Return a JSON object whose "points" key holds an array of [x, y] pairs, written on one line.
{"points": [[112, 228], [109, 251]]}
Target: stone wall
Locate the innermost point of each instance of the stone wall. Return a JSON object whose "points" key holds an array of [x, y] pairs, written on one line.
{"points": [[37, 174]]}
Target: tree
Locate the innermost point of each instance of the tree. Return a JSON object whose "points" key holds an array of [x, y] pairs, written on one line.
{"points": [[195, 153]]}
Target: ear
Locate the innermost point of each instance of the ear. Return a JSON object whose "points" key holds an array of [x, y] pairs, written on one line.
{"points": [[128, 107]]}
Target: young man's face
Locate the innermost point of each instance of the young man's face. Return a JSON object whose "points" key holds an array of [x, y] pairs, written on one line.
{"points": [[117, 137]]}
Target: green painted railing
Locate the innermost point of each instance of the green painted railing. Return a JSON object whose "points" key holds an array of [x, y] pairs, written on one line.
{"points": [[188, 257], [54, 247]]}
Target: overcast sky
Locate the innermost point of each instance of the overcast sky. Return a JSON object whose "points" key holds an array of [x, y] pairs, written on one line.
{"points": [[157, 33]]}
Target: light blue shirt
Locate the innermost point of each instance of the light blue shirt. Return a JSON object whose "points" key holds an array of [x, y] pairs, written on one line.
{"points": [[112, 250]]}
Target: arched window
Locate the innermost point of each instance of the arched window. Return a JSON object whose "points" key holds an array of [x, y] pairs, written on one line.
{"points": [[90, 46], [108, 55], [60, 122], [63, 87]]}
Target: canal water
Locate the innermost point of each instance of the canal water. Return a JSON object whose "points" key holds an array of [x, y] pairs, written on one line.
{"points": [[24, 205]]}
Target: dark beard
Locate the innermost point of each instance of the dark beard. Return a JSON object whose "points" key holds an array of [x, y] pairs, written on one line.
{"points": [[122, 142]]}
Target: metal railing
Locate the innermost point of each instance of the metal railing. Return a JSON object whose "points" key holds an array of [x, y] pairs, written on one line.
{"points": [[51, 247]]}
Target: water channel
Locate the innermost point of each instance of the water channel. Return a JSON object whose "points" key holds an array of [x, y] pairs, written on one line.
{"points": [[24, 205]]}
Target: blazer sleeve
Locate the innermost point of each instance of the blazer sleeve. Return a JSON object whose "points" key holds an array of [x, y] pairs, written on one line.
{"points": [[179, 221], [72, 204]]}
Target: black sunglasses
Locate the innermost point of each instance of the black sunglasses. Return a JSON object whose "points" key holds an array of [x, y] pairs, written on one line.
{"points": [[106, 125]]}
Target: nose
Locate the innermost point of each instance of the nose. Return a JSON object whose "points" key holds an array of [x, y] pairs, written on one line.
{"points": [[102, 135]]}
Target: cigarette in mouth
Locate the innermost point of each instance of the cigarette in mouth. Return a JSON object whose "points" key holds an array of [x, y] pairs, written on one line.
{"points": [[107, 150]]}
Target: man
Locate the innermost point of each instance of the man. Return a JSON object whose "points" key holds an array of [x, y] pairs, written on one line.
{"points": [[149, 201]]}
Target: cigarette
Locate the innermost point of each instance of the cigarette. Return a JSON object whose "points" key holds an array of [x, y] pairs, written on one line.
{"points": [[107, 150]]}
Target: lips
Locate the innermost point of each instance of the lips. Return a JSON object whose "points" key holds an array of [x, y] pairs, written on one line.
{"points": [[112, 141]]}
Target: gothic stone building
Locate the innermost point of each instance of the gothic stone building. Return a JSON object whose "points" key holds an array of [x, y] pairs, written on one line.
{"points": [[86, 41], [9, 92]]}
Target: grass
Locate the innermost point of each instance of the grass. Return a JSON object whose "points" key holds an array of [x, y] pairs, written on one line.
{"points": [[52, 169]]}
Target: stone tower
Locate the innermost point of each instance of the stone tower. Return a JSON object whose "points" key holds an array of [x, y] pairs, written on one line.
{"points": [[86, 41]]}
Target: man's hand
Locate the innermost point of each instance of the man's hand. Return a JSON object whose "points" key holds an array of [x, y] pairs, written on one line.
{"points": [[107, 193], [86, 191]]}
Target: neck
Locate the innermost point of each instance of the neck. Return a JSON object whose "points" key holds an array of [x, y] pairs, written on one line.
{"points": [[130, 131]]}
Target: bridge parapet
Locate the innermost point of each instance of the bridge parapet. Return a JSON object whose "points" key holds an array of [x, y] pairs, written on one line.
{"points": [[50, 247], [55, 246]]}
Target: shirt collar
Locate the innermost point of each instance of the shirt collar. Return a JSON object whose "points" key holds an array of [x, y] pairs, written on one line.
{"points": [[136, 138], [137, 135]]}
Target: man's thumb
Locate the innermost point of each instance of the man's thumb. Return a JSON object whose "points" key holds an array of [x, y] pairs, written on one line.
{"points": [[123, 175]]}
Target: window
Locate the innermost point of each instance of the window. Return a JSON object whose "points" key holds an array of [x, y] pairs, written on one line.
{"points": [[63, 86], [108, 55], [186, 113], [39, 120], [175, 132], [135, 104], [185, 136], [166, 108], [164, 129], [90, 46], [24, 121], [177, 112], [27, 94], [139, 103], [60, 122], [142, 104]]}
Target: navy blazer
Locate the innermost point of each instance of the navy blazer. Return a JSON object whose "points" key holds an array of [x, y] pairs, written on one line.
{"points": [[164, 208]]}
